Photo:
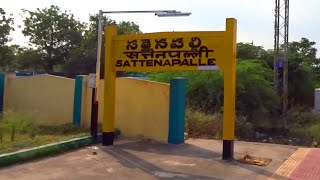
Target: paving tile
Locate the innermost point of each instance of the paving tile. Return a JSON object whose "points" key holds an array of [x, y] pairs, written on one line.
{"points": [[309, 167], [287, 168]]}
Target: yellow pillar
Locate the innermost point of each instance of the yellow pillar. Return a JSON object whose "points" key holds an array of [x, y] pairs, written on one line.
{"points": [[229, 90], [109, 89]]}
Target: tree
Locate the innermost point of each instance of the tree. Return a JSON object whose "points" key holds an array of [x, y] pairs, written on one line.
{"points": [[6, 57], [9, 63], [5, 29], [126, 27], [303, 68], [83, 59], [303, 51], [250, 51], [80, 63], [256, 96], [303, 71], [54, 33], [91, 33], [29, 59]]}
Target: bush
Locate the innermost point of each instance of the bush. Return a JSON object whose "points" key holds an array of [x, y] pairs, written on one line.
{"points": [[303, 125], [200, 125], [255, 98], [257, 104], [13, 122], [244, 129], [301, 83], [305, 136], [300, 116], [204, 88], [314, 132], [209, 126]]}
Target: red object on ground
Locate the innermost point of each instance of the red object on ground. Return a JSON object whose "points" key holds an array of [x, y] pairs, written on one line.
{"points": [[309, 167]]}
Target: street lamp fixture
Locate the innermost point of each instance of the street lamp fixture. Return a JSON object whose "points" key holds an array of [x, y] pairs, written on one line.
{"points": [[173, 14], [159, 13]]}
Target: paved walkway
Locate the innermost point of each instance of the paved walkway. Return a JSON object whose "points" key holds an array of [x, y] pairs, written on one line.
{"points": [[129, 159], [303, 164]]}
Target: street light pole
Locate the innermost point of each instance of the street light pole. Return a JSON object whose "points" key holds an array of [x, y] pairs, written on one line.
{"points": [[94, 100], [99, 45], [94, 106]]}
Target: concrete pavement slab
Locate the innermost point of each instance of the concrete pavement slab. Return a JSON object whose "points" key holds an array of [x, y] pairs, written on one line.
{"points": [[141, 159]]}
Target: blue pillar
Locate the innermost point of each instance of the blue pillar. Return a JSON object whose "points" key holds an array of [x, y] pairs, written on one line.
{"points": [[2, 80], [77, 102], [177, 108]]}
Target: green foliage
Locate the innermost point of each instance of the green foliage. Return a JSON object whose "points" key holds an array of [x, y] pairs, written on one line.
{"points": [[201, 125], [255, 95], [28, 58], [313, 131], [244, 129], [301, 83], [3, 129], [9, 63], [303, 126], [306, 136], [18, 131], [89, 40], [126, 27], [80, 63], [303, 68], [83, 59], [300, 116], [53, 32], [204, 89], [303, 72], [303, 52], [43, 135], [250, 51], [14, 123], [6, 26], [256, 98]]}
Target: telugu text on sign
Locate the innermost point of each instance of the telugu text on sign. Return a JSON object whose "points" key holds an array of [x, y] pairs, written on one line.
{"points": [[165, 53]]}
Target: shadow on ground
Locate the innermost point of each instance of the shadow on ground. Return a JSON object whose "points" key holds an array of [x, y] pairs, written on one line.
{"points": [[129, 155]]}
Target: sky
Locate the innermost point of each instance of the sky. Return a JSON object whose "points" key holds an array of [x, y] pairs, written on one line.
{"points": [[255, 18]]}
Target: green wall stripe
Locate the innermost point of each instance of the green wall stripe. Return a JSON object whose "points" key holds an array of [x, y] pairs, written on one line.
{"points": [[177, 112], [77, 101], [2, 80]]}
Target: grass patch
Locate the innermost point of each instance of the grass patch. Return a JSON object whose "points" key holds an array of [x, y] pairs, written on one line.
{"points": [[23, 141], [209, 126], [200, 125], [18, 131]]}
